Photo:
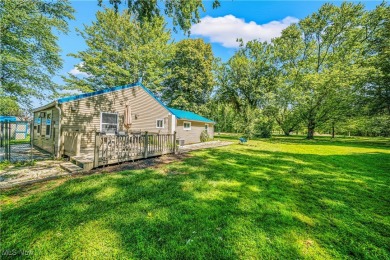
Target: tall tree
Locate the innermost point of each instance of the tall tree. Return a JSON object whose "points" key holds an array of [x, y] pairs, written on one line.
{"points": [[246, 82], [183, 13], [375, 94], [282, 102], [326, 65], [121, 51], [190, 81], [29, 51]]}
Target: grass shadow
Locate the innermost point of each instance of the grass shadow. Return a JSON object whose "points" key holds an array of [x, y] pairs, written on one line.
{"points": [[240, 201]]}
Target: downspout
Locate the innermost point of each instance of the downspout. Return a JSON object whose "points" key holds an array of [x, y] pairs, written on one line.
{"points": [[59, 130]]}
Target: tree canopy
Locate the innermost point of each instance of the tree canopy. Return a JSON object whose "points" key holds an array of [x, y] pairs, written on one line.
{"points": [[246, 82], [30, 55], [329, 66], [121, 50], [315, 73], [190, 78], [9, 106], [183, 13], [375, 95]]}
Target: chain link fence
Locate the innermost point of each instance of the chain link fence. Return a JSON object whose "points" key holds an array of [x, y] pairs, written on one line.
{"points": [[16, 142]]}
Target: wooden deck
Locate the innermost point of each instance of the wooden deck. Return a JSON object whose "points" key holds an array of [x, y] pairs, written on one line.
{"points": [[111, 149]]}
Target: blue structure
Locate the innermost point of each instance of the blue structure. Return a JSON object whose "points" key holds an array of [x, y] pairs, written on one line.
{"points": [[242, 140], [19, 130], [188, 115], [8, 118]]}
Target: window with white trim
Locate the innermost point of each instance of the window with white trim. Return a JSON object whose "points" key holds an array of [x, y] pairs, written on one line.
{"points": [[109, 123], [187, 125], [206, 127], [160, 123]]}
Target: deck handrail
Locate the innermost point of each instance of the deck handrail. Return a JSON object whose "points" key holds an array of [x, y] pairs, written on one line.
{"points": [[116, 148]]}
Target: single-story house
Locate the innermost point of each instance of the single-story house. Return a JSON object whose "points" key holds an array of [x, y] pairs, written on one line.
{"points": [[55, 124]]}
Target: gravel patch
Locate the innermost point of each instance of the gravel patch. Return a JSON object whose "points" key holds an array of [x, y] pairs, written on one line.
{"points": [[41, 170]]}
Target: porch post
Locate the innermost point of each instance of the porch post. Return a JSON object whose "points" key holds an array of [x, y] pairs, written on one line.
{"points": [[8, 143], [78, 144], [96, 150], [31, 125], [1, 134], [146, 145], [174, 142]]}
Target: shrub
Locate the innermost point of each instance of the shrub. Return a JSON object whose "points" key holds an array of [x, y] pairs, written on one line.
{"points": [[204, 136], [263, 128]]}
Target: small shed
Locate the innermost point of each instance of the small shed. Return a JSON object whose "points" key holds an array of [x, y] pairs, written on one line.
{"points": [[18, 129]]}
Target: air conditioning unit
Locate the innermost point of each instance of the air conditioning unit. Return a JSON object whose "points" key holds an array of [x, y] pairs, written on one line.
{"points": [[180, 142]]}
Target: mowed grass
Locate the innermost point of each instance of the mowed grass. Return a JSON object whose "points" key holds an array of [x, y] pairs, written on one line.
{"points": [[280, 198]]}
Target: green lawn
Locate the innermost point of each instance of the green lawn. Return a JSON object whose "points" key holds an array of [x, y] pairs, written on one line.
{"points": [[277, 198], [21, 141]]}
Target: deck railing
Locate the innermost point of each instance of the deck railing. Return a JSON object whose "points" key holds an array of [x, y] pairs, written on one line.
{"points": [[110, 149]]}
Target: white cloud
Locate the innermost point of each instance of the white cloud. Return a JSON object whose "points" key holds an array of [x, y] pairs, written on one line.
{"points": [[76, 72], [227, 29]]}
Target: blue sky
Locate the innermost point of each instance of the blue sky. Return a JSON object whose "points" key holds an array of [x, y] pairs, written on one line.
{"points": [[220, 27]]}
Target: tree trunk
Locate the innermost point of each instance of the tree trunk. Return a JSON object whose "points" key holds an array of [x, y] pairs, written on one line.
{"points": [[332, 130], [310, 129]]}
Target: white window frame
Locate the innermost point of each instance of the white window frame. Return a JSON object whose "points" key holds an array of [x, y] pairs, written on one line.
{"points": [[206, 127], [101, 122], [162, 120], [186, 128]]}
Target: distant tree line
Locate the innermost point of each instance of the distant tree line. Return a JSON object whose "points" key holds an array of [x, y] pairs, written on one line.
{"points": [[328, 72]]}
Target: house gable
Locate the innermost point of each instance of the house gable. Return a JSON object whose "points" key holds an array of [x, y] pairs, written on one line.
{"points": [[83, 113], [109, 90], [180, 114]]}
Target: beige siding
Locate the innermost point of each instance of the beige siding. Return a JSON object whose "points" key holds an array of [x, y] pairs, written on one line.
{"points": [[47, 143], [83, 116], [80, 120], [193, 135]]}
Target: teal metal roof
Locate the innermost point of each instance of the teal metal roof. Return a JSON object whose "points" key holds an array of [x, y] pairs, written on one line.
{"points": [[187, 115], [7, 118], [99, 92]]}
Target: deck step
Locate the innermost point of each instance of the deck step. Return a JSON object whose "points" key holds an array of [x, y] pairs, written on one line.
{"points": [[84, 162], [71, 167]]}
